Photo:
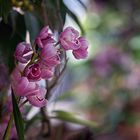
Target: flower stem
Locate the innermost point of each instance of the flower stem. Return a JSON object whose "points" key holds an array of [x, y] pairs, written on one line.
{"points": [[10, 123], [56, 44], [8, 129]]}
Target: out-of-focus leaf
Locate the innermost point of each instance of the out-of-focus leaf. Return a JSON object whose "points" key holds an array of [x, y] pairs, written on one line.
{"points": [[65, 96], [69, 117], [5, 7], [51, 13], [18, 118], [37, 2], [32, 25], [55, 11], [63, 11], [75, 18], [83, 5], [130, 118]]}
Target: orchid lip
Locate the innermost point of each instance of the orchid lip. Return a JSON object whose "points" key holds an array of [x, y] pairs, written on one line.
{"points": [[39, 98]]}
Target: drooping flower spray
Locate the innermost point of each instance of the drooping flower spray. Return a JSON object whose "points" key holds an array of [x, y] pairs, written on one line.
{"points": [[41, 60]]}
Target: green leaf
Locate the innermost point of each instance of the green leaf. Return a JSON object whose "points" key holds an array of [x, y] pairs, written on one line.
{"points": [[69, 117], [11, 33], [5, 7], [52, 12], [63, 11], [17, 22], [18, 118], [32, 25]]}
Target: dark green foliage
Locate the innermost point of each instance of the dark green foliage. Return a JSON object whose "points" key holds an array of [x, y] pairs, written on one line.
{"points": [[18, 118], [11, 33], [5, 7], [32, 25]]}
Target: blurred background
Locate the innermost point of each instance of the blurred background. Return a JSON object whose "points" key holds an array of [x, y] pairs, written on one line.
{"points": [[97, 98]]}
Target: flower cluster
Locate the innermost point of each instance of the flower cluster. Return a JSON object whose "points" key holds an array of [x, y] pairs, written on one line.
{"points": [[40, 61]]}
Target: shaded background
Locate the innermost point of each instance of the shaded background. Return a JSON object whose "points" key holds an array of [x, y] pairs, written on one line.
{"points": [[103, 89]]}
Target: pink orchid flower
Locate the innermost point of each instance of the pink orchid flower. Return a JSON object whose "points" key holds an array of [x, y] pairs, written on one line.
{"points": [[33, 72], [23, 52], [44, 37], [50, 56], [69, 39], [82, 52], [21, 85], [47, 73], [38, 99]]}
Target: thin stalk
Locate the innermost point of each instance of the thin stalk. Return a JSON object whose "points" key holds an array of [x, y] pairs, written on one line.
{"points": [[8, 129], [46, 126]]}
